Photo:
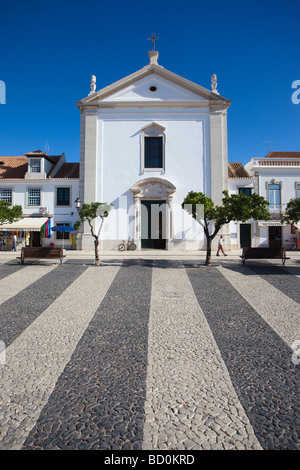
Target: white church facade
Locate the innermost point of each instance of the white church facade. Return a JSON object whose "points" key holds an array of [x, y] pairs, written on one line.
{"points": [[145, 142]]}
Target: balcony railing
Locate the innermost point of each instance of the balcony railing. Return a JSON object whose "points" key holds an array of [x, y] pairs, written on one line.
{"points": [[283, 162]]}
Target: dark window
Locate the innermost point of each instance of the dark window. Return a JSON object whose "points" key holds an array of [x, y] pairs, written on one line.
{"points": [[63, 196], [63, 235], [153, 152], [246, 191]]}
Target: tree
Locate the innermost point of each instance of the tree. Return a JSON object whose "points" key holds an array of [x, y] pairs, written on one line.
{"points": [[292, 212], [88, 213], [9, 214], [235, 207]]}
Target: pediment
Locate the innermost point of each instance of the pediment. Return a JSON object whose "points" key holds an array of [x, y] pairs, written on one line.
{"points": [[152, 84], [164, 90], [153, 125]]}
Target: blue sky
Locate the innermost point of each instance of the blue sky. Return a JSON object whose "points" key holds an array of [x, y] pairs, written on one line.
{"points": [[50, 49]]}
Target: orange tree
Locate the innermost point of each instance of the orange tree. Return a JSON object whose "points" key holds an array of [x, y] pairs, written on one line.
{"points": [[88, 213], [212, 217], [9, 214], [292, 211]]}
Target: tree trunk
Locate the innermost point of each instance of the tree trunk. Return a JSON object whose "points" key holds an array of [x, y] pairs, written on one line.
{"points": [[97, 244], [208, 251], [97, 252]]}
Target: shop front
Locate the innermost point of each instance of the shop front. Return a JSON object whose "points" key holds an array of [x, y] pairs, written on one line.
{"points": [[277, 235], [29, 231]]}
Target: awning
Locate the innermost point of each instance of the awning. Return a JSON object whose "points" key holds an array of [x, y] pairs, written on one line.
{"points": [[28, 224], [297, 225], [270, 223]]}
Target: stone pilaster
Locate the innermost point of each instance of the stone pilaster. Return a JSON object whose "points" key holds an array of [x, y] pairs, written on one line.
{"points": [[218, 153], [88, 168]]}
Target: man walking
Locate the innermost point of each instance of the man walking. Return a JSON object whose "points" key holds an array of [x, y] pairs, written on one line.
{"points": [[220, 246]]}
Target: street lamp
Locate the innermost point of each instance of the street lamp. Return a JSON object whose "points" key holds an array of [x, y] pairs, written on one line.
{"points": [[77, 203]]}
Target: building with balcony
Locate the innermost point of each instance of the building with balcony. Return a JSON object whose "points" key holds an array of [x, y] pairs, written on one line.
{"points": [[276, 177]]}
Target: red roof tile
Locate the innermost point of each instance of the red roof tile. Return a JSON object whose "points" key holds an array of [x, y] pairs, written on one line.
{"points": [[237, 170], [39, 153], [13, 167], [290, 155], [17, 167], [68, 170]]}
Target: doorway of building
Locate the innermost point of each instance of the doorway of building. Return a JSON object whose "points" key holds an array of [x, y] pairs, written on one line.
{"points": [[245, 235], [36, 239], [275, 237], [153, 224]]}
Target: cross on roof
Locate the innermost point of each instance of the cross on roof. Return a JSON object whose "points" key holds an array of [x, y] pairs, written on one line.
{"points": [[153, 39]]}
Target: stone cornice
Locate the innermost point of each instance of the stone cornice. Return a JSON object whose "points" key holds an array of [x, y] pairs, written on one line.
{"points": [[96, 98]]}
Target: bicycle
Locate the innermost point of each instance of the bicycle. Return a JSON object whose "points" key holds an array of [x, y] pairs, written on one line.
{"points": [[130, 246]]}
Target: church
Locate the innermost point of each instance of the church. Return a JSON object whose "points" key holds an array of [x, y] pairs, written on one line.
{"points": [[145, 142]]}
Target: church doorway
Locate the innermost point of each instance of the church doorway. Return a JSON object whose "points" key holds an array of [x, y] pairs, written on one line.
{"points": [[153, 224]]}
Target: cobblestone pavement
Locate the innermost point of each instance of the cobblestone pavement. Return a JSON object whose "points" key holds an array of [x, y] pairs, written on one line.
{"points": [[149, 352]]}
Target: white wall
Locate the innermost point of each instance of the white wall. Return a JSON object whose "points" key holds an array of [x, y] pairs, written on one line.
{"points": [[288, 178], [187, 161]]}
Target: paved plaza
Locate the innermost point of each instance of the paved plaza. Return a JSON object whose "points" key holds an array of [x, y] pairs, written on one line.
{"points": [[149, 351]]}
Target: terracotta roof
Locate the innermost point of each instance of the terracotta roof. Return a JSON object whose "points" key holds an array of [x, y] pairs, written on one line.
{"points": [[17, 167], [290, 155], [39, 153], [68, 170], [237, 170], [13, 167]]}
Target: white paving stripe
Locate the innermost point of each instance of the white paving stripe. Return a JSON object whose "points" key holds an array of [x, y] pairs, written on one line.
{"points": [[37, 357], [190, 400], [14, 283], [277, 309]]}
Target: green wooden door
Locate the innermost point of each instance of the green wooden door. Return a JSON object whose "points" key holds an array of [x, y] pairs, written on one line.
{"points": [[245, 235], [152, 220]]}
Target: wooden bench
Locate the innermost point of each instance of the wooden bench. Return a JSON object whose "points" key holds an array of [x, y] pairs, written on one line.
{"points": [[42, 253], [264, 253]]}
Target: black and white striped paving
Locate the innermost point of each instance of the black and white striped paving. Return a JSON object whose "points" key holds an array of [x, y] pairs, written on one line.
{"points": [[153, 354]]}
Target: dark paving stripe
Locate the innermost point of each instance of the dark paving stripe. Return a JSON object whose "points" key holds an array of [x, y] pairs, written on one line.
{"points": [[258, 361], [9, 268], [284, 281], [98, 401], [20, 311]]}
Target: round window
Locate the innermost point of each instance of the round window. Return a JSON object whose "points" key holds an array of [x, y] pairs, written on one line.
{"points": [[153, 88]]}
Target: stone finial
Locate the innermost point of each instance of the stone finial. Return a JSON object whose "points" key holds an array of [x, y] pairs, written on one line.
{"points": [[214, 84], [153, 56], [93, 84]]}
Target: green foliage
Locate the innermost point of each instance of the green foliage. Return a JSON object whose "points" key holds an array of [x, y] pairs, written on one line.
{"points": [[89, 212], [292, 212], [235, 207], [9, 214]]}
